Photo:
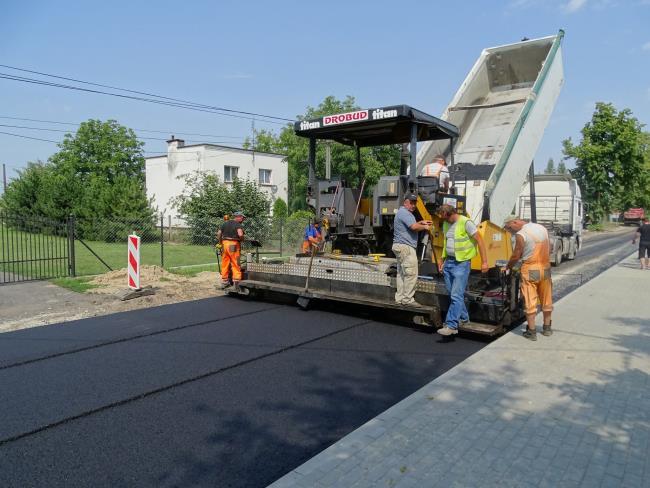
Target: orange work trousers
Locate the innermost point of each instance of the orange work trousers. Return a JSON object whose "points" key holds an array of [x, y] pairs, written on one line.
{"points": [[536, 285], [230, 261], [306, 247], [536, 288]]}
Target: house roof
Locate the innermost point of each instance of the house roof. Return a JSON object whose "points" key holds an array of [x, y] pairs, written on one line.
{"points": [[220, 147]]}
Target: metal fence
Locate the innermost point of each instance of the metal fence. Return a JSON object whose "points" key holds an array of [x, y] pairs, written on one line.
{"points": [[34, 248], [174, 247]]}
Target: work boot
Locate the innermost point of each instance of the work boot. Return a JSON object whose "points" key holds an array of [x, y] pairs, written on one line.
{"points": [[530, 335], [447, 331], [546, 330]]}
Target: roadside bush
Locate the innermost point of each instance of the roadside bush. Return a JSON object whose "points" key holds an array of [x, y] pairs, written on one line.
{"points": [[206, 200]]}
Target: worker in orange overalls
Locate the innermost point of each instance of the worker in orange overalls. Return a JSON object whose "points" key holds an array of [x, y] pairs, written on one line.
{"points": [[230, 236], [532, 246], [313, 237]]}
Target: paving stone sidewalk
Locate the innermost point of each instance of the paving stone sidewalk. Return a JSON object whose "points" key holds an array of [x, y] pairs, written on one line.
{"points": [[571, 410]]}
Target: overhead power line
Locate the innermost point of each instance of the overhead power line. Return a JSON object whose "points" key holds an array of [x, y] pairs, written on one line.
{"points": [[28, 137], [160, 99], [23, 119], [139, 137]]}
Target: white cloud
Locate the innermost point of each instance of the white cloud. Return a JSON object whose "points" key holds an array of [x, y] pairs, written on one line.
{"points": [[574, 5], [646, 46]]}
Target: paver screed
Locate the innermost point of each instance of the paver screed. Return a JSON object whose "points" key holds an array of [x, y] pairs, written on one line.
{"points": [[570, 410]]}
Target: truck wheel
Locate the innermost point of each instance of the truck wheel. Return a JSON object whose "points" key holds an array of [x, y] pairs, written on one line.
{"points": [[558, 256]]}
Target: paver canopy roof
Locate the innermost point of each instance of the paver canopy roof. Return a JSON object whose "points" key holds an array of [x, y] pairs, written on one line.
{"points": [[377, 126]]}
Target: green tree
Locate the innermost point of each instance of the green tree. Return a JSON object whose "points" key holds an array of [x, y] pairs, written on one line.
{"points": [[264, 141], [25, 194], [611, 161], [550, 167], [280, 210], [376, 161], [562, 169], [97, 174]]}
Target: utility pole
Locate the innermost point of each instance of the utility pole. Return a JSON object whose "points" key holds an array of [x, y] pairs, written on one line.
{"points": [[4, 177], [253, 145], [328, 160]]}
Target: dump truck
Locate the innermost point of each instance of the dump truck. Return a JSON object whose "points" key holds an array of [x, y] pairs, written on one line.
{"points": [[633, 216], [558, 207], [489, 134]]}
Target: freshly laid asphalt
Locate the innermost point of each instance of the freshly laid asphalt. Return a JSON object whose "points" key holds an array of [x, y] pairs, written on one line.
{"points": [[216, 392]]}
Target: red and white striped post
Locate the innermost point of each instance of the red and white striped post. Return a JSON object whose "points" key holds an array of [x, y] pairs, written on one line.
{"points": [[134, 262]]}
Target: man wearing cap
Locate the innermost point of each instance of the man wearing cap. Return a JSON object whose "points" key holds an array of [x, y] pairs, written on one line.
{"points": [[532, 246], [313, 237], [405, 242], [438, 168], [461, 242], [231, 236]]}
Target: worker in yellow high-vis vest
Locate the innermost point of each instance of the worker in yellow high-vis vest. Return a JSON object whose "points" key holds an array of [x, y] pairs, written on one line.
{"points": [[461, 242]]}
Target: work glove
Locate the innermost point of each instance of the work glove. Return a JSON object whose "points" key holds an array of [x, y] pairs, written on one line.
{"points": [[218, 247]]}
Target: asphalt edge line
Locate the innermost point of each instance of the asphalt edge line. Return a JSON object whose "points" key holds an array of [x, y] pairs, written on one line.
{"points": [[130, 338], [162, 389]]}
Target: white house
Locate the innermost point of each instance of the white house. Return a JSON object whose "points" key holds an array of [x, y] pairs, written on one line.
{"points": [[162, 172]]}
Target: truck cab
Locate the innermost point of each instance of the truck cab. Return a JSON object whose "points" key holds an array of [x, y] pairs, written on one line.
{"points": [[558, 205]]}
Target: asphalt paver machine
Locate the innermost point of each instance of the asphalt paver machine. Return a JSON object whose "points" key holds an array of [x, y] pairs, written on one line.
{"points": [[360, 268], [488, 134]]}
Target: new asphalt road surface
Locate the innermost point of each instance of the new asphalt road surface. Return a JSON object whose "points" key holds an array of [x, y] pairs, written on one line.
{"points": [[216, 392]]}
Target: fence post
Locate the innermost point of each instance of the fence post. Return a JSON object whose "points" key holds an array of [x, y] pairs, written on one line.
{"points": [[71, 256], [281, 226], [162, 239]]}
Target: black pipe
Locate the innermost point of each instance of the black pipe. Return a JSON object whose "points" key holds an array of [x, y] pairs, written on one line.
{"points": [[359, 167], [404, 159], [311, 162], [414, 148]]}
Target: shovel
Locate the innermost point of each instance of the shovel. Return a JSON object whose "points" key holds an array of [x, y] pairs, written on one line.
{"points": [[303, 298], [216, 251]]}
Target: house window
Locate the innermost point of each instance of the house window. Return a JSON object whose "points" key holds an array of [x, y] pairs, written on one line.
{"points": [[265, 177], [230, 173]]}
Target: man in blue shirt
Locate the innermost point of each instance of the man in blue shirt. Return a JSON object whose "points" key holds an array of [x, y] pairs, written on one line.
{"points": [[405, 242], [313, 237]]}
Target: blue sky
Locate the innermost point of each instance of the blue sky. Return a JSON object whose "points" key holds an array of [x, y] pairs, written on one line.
{"points": [[279, 57]]}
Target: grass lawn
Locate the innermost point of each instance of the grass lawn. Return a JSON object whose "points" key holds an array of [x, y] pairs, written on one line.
{"points": [[80, 285], [18, 245]]}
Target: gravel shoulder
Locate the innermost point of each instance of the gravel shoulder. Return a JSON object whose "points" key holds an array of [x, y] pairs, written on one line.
{"points": [[38, 303]]}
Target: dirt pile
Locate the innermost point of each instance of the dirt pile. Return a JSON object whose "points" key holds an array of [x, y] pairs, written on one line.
{"points": [[169, 286]]}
